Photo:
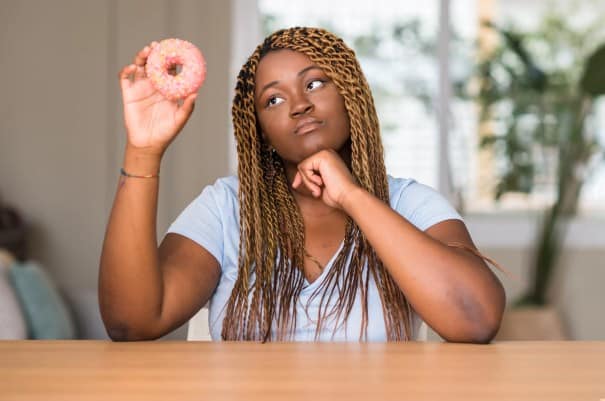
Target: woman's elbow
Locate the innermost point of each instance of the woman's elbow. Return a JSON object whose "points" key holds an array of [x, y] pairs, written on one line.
{"points": [[117, 335], [476, 333], [485, 333], [484, 329], [481, 323], [120, 332], [486, 322]]}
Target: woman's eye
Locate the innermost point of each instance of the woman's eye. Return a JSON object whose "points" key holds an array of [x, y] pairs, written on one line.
{"points": [[274, 100], [315, 84]]}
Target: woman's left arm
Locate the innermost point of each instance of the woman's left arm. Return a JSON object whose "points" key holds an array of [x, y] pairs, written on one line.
{"points": [[451, 289]]}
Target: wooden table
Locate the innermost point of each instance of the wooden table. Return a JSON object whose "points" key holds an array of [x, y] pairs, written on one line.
{"points": [[100, 370]]}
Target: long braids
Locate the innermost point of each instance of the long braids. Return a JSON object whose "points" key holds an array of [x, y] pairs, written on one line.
{"points": [[271, 252]]}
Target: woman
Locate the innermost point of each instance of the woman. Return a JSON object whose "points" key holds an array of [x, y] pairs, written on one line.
{"points": [[312, 240]]}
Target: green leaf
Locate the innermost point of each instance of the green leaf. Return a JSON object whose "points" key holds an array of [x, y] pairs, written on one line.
{"points": [[593, 79], [489, 140]]}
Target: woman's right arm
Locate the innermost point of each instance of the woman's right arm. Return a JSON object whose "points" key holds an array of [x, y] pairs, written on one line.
{"points": [[146, 291]]}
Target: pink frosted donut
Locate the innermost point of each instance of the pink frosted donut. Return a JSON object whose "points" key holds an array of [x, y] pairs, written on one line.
{"points": [[170, 55]]}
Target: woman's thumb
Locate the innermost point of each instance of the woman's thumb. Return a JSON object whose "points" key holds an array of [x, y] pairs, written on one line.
{"points": [[188, 105]]}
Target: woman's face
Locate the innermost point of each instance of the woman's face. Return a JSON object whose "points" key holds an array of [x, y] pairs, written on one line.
{"points": [[299, 108]]}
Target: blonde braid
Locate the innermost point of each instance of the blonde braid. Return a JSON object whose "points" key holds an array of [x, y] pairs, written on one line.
{"points": [[271, 226]]}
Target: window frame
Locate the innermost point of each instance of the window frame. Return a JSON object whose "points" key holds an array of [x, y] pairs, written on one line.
{"points": [[492, 229]]}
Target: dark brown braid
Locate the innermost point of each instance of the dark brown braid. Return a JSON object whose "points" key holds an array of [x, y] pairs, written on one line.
{"points": [[271, 251]]}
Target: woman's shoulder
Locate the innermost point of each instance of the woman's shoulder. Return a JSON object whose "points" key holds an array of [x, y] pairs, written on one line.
{"points": [[399, 185], [419, 203], [222, 193], [223, 187], [229, 181]]}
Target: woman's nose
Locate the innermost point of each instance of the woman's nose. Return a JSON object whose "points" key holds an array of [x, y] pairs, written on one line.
{"points": [[301, 105]]}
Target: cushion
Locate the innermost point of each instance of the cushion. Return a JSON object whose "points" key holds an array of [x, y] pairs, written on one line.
{"points": [[12, 322], [46, 313]]}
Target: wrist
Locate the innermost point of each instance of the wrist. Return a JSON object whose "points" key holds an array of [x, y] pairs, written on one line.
{"points": [[349, 198], [139, 161], [147, 152]]}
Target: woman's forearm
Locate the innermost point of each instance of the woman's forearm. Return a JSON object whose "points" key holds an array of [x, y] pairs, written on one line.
{"points": [[130, 281], [451, 289]]}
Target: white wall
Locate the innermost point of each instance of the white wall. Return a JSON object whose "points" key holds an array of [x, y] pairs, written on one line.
{"points": [[61, 130]]}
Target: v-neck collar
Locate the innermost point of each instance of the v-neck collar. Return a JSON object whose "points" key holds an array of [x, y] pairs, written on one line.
{"points": [[311, 286]]}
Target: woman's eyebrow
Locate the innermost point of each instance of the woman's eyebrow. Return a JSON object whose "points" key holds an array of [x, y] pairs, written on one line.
{"points": [[301, 72]]}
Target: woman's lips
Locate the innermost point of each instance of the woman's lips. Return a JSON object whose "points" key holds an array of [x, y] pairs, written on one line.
{"points": [[307, 125]]}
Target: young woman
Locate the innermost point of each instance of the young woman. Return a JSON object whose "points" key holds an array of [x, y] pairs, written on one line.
{"points": [[312, 240]]}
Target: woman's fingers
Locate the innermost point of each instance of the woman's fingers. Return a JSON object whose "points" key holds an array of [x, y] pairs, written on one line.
{"points": [[185, 110], [141, 58], [310, 169], [137, 68], [125, 75], [296, 181], [316, 178], [308, 174], [126, 71], [312, 182]]}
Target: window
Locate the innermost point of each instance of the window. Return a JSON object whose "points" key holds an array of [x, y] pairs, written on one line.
{"points": [[398, 44], [559, 35], [387, 37]]}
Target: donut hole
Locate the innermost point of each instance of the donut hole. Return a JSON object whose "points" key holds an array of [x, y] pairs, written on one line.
{"points": [[174, 69]]}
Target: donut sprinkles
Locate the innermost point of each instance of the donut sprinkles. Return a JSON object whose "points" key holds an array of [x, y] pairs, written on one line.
{"points": [[176, 68]]}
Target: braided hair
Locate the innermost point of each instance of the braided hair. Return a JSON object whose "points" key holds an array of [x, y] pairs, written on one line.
{"points": [[271, 249]]}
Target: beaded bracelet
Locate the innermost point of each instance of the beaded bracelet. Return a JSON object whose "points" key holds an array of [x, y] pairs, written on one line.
{"points": [[125, 174]]}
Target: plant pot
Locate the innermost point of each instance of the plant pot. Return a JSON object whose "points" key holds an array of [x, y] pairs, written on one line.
{"points": [[532, 323]]}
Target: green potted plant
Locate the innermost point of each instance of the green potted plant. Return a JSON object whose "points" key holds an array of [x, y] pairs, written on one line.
{"points": [[539, 89]]}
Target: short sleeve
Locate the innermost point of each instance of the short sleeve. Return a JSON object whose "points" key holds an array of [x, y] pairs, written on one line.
{"points": [[420, 204], [201, 221]]}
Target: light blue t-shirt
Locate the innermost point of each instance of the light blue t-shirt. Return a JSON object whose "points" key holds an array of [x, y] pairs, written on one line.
{"points": [[212, 220]]}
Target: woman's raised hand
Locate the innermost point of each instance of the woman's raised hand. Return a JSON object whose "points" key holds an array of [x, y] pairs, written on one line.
{"points": [[326, 176], [151, 120]]}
